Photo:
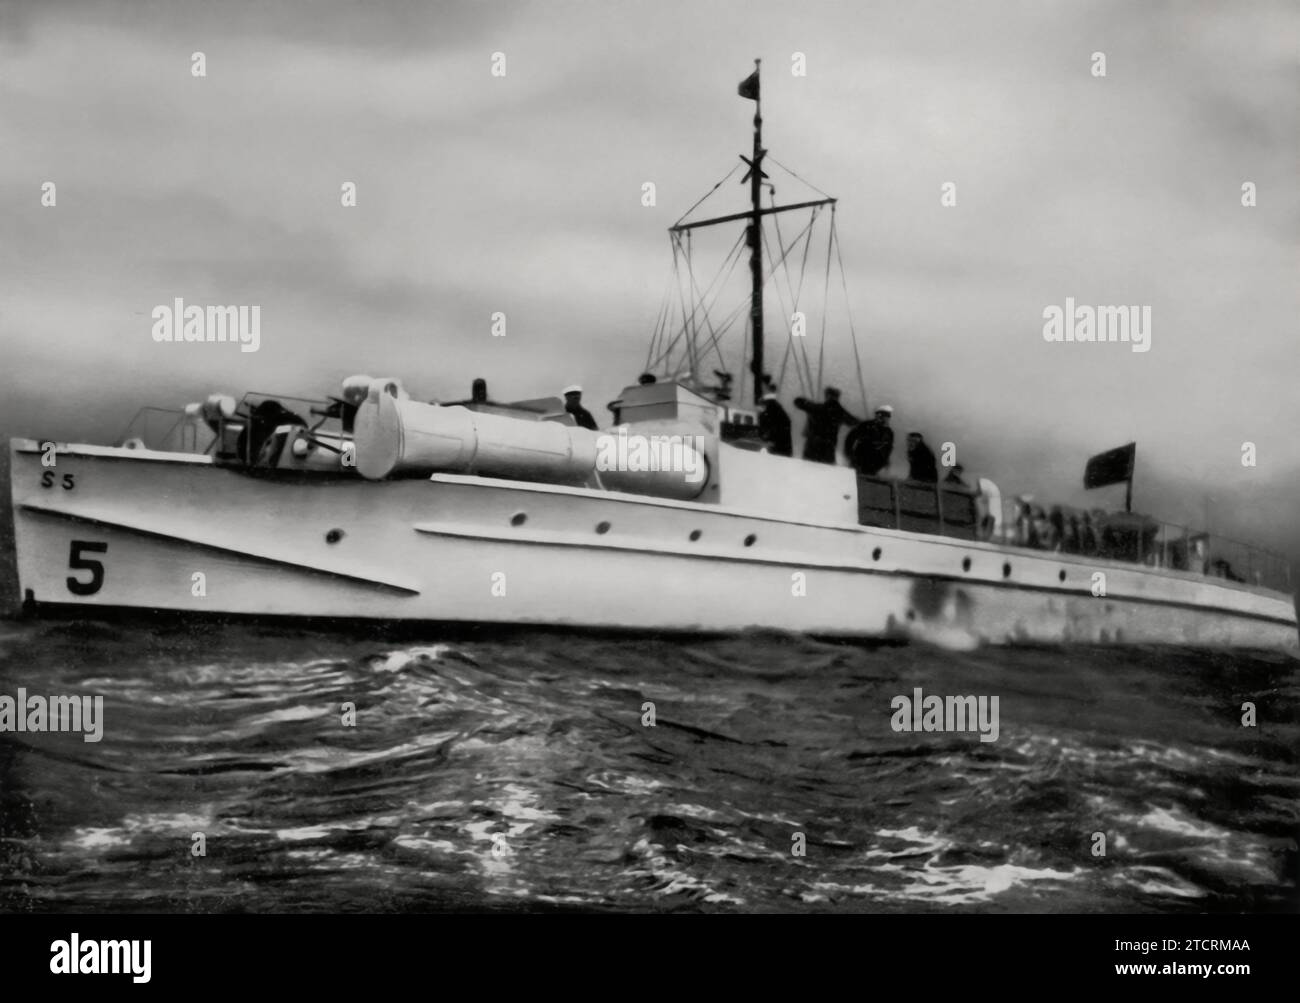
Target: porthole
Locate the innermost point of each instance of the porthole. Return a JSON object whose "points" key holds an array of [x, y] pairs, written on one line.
{"points": [[1061, 575], [334, 536], [875, 554], [695, 535], [518, 519], [1006, 571], [750, 540], [602, 527], [965, 564]]}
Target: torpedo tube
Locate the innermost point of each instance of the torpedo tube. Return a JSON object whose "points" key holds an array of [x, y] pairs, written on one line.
{"points": [[404, 438]]}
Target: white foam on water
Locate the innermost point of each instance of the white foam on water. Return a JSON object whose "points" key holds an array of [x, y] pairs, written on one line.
{"points": [[564, 899], [622, 783], [973, 883], [178, 825], [326, 760], [97, 838], [696, 811], [315, 855], [518, 802], [945, 637], [1237, 857], [396, 661], [932, 842], [672, 880], [286, 714], [1179, 823], [956, 884], [1158, 881], [306, 832], [964, 884], [419, 843]]}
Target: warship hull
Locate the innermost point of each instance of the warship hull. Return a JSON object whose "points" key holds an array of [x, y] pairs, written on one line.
{"points": [[131, 529]]}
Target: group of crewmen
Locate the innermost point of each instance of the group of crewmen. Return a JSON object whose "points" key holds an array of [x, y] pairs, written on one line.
{"points": [[868, 445], [1069, 532]]}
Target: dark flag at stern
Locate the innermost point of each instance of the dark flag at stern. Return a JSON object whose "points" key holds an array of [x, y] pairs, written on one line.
{"points": [[1115, 466], [1111, 467], [749, 87]]}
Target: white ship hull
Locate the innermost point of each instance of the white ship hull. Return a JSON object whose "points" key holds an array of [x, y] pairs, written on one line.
{"points": [[175, 532]]}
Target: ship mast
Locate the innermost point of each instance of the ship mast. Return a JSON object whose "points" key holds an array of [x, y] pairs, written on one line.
{"points": [[754, 235]]}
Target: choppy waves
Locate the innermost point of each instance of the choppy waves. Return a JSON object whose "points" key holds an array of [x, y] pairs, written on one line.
{"points": [[338, 772]]}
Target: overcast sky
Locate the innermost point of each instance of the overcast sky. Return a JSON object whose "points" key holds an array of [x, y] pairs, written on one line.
{"points": [[522, 194]]}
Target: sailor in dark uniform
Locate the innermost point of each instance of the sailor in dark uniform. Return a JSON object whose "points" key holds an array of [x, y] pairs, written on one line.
{"points": [[870, 445], [920, 460], [573, 405], [822, 429], [264, 418], [774, 426]]}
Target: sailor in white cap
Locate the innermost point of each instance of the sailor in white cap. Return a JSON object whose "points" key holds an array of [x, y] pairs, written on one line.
{"points": [[573, 405], [1024, 521], [870, 445], [774, 422]]}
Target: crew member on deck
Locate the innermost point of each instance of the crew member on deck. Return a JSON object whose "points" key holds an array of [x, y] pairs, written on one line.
{"points": [[774, 425], [256, 440], [1070, 536], [920, 460], [1060, 528], [573, 405], [822, 429], [870, 445], [1088, 541]]}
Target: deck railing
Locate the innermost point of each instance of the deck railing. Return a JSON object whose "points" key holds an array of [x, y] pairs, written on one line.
{"points": [[1175, 546], [1160, 544], [918, 506], [161, 428], [172, 430], [950, 510]]}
